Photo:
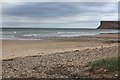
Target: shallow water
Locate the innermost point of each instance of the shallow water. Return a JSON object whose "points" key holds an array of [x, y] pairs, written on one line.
{"points": [[47, 33]]}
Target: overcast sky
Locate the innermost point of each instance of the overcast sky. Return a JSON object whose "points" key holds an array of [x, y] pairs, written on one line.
{"points": [[58, 14]]}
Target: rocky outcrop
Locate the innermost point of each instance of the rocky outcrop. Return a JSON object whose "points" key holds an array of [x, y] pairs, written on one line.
{"points": [[109, 25]]}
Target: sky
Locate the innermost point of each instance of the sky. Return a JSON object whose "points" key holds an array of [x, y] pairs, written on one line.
{"points": [[57, 14]]}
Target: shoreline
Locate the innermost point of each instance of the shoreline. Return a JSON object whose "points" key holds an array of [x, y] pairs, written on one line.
{"points": [[19, 48], [77, 37]]}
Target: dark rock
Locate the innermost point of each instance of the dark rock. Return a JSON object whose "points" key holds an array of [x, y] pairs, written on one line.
{"points": [[109, 25]]}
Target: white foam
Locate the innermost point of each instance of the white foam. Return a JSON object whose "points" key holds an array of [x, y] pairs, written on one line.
{"points": [[14, 32]]}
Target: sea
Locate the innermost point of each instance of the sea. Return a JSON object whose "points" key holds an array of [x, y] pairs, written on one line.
{"points": [[49, 33]]}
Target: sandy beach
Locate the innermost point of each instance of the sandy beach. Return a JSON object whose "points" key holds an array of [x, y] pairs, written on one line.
{"points": [[71, 40], [18, 48], [63, 57]]}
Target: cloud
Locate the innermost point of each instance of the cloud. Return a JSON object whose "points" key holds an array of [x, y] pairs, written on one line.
{"points": [[58, 14], [42, 10]]}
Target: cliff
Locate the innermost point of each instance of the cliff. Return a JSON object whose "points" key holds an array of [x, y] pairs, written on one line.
{"points": [[109, 25]]}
